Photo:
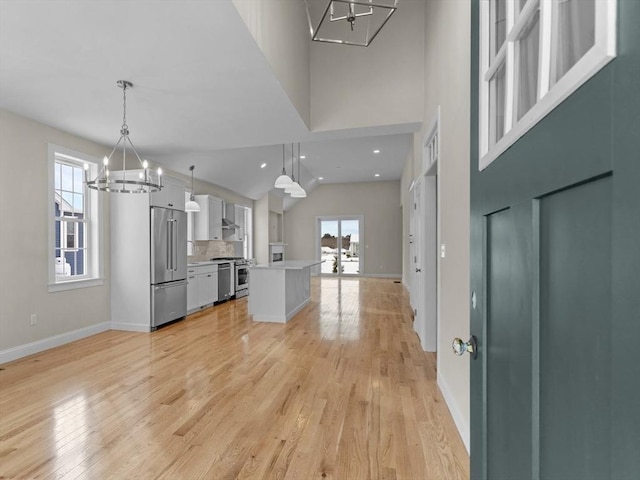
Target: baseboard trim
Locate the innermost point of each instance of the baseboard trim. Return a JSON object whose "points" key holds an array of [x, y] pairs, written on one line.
{"points": [[130, 327], [458, 418], [15, 353], [382, 275]]}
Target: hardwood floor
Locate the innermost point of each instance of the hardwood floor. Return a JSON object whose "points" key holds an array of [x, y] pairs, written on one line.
{"points": [[343, 391]]}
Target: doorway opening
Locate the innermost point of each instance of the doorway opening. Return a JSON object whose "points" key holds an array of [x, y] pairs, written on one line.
{"points": [[339, 242]]}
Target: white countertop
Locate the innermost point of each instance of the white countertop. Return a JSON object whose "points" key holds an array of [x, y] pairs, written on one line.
{"points": [[289, 265]]}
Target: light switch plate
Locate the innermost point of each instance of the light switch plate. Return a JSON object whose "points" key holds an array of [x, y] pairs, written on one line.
{"points": [[443, 250]]}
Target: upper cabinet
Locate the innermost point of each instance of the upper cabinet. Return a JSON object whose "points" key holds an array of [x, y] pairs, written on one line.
{"points": [[240, 221], [171, 195], [208, 221]]}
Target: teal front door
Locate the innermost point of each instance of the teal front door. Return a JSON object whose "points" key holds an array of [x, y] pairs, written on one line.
{"points": [[555, 276]]}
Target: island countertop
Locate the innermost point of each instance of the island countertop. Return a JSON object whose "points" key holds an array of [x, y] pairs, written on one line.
{"points": [[289, 265]]}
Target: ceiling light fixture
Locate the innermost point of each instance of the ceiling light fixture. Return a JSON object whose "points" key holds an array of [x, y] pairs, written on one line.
{"points": [[303, 157], [301, 192], [192, 205], [377, 175], [283, 181], [145, 183], [320, 178], [295, 186], [348, 22], [376, 151], [263, 165]]}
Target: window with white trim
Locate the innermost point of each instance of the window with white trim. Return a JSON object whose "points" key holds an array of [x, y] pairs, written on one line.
{"points": [[75, 222], [533, 55]]}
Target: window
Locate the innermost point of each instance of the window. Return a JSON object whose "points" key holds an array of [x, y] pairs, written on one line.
{"points": [[75, 222], [533, 55]]}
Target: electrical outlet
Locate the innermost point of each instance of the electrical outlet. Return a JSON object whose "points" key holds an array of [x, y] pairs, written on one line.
{"points": [[34, 319], [443, 250]]}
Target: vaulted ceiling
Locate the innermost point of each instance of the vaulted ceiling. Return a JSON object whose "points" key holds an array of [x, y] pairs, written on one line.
{"points": [[203, 94]]}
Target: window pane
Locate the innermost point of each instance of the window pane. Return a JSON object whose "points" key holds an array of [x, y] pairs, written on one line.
{"points": [[80, 262], [574, 34], [498, 25], [67, 178], [528, 66], [77, 180], [67, 203], [496, 105], [78, 206], [80, 240]]}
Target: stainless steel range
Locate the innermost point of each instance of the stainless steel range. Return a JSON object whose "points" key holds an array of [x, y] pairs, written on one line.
{"points": [[242, 278]]}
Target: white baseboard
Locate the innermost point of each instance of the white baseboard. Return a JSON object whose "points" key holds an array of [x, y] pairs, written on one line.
{"points": [[130, 327], [14, 353], [458, 418], [382, 275]]}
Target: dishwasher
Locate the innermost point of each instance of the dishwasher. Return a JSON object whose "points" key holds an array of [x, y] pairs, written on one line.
{"points": [[224, 282]]}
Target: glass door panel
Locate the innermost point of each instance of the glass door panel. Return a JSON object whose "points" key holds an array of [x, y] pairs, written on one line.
{"points": [[350, 251], [328, 246]]}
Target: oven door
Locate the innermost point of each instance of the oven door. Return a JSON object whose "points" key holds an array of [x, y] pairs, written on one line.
{"points": [[242, 277]]}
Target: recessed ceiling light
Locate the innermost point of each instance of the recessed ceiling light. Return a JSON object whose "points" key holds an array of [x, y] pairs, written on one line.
{"points": [[376, 151], [377, 175], [263, 165], [320, 178], [303, 157]]}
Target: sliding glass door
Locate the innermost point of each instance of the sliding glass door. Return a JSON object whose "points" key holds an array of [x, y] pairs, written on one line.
{"points": [[339, 240]]}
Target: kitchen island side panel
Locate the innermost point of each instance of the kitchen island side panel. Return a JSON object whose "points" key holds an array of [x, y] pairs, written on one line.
{"points": [[267, 295]]}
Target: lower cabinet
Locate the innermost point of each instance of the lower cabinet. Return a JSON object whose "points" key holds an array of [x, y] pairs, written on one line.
{"points": [[202, 286]]}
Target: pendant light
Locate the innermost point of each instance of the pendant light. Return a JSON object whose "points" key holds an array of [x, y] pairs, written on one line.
{"points": [[300, 193], [283, 181], [294, 187], [192, 205], [121, 183]]}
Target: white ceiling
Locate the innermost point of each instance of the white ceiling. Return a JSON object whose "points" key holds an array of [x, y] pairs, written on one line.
{"points": [[203, 92]]}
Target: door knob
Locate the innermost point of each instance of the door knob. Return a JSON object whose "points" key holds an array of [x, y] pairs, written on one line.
{"points": [[459, 347]]}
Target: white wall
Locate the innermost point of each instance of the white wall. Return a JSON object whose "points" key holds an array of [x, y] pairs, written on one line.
{"points": [[378, 202], [24, 248], [280, 29], [447, 77], [381, 84]]}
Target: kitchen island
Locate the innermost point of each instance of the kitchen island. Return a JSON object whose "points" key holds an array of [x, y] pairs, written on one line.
{"points": [[279, 290]]}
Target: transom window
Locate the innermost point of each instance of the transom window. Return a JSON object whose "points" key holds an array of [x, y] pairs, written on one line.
{"points": [[533, 55], [75, 222]]}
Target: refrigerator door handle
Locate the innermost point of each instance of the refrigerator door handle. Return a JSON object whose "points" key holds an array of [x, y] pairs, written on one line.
{"points": [[174, 244], [168, 264]]}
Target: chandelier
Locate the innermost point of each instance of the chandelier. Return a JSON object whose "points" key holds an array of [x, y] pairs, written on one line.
{"points": [[123, 181], [348, 22]]}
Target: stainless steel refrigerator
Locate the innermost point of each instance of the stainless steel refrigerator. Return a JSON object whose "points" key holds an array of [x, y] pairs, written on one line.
{"points": [[168, 265]]}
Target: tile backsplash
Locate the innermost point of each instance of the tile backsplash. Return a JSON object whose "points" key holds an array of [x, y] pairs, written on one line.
{"points": [[206, 250]]}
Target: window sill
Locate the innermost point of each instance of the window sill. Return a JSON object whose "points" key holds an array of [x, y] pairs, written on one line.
{"points": [[75, 284]]}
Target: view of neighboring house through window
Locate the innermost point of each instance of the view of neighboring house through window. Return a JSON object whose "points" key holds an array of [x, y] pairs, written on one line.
{"points": [[533, 55], [75, 226]]}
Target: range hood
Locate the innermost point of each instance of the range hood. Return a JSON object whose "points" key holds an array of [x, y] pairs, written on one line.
{"points": [[229, 216]]}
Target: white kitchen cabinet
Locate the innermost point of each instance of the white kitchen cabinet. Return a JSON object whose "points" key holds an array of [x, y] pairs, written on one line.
{"points": [[171, 195], [240, 213], [202, 286], [208, 221], [192, 290]]}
